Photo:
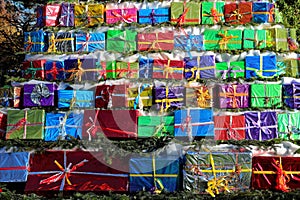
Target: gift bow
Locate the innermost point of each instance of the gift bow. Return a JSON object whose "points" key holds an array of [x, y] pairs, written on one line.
{"points": [[168, 69], [215, 15], [225, 39], [92, 130], [202, 95], [39, 91], [236, 13], [265, 129], [124, 15], [85, 44], [167, 101], [30, 43], [53, 71]]}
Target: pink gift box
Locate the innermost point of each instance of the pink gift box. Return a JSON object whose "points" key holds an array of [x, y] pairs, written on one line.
{"points": [[127, 15]]}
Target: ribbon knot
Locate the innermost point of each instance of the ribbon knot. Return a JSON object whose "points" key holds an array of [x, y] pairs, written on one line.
{"points": [[39, 91], [124, 15], [236, 13], [30, 43], [52, 47], [271, 13], [168, 69], [225, 39], [215, 15], [85, 44], [203, 96]]}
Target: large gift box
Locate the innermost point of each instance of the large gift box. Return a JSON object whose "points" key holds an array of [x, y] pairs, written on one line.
{"points": [[61, 42], [121, 41], [263, 12], [235, 69], [291, 93], [140, 96], [230, 127], [39, 94], [145, 67], [127, 15], [200, 67], [34, 69], [185, 13], [14, 166], [63, 125], [261, 125], [127, 69], [233, 95], [51, 13], [6, 96], [238, 13], [55, 70], [189, 42], [168, 69], [89, 42], [193, 122], [77, 171], [215, 172], [66, 17], [75, 99], [159, 41], [169, 97], [222, 39], [266, 95], [254, 39], [35, 41], [289, 125], [91, 14], [155, 126], [155, 174], [25, 124], [153, 16], [198, 96], [261, 66], [111, 96], [212, 12], [3, 124]]}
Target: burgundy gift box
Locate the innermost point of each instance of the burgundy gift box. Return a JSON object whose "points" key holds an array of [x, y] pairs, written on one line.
{"points": [[162, 41], [34, 69], [3, 124], [238, 13], [168, 69]]}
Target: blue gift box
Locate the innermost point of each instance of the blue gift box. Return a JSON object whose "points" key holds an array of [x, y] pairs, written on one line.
{"points": [[14, 167], [153, 16], [146, 67], [155, 174], [75, 99], [39, 16], [55, 70], [89, 42], [63, 125], [35, 41], [188, 42], [200, 67], [261, 66], [193, 122], [263, 12]]}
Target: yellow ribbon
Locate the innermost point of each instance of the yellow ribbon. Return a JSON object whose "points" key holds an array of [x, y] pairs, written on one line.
{"points": [[156, 43], [62, 169], [53, 40], [225, 39], [30, 43], [156, 180], [168, 70], [236, 13], [167, 101], [197, 69]]}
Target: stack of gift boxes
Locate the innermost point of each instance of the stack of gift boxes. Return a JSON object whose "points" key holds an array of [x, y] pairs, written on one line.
{"points": [[138, 81]]}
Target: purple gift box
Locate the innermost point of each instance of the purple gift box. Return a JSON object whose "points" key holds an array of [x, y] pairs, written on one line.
{"points": [[40, 94], [87, 70], [200, 67], [234, 96], [261, 125], [166, 97], [291, 94], [67, 14]]}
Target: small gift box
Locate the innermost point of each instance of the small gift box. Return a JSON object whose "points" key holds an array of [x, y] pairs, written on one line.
{"points": [[292, 67], [292, 39], [40, 94], [51, 13], [200, 67], [127, 15], [108, 70], [139, 97], [238, 13], [61, 42], [3, 124], [6, 96], [39, 16], [72, 68], [198, 96], [111, 96], [261, 66], [222, 39], [145, 67], [154, 174], [266, 95], [91, 14], [230, 127], [35, 41], [263, 12], [193, 123], [212, 12], [89, 42], [63, 125], [185, 13], [17, 96], [159, 41], [153, 16], [169, 97], [188, 42], [279, 38], [75, 98], [168, 69], [25, 124], [235, 69], [261, 125], [288, 125], [66, 17], [155, 126], [76, 171], [86, 70], [291, 93], [55, 70], [121, 41], [233, 95], [34, 69], [127, 69], [14, 167], [254, 39]]}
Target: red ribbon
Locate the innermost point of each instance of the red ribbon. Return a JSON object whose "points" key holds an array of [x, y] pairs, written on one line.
{"points": [[16, 127], [13, 168]]}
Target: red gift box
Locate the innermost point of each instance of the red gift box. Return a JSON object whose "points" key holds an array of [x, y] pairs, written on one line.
{"points": [[169, 69], [228, 127], [51, 14], [3, 124], [240, 13], [34, 69], [76, 171], [162, 41]]}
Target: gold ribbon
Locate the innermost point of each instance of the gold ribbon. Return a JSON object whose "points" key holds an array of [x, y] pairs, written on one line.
{"points": [[197, 69], [202, 97], [225, 39], [167, 101], [53, 40], [156, 42]]}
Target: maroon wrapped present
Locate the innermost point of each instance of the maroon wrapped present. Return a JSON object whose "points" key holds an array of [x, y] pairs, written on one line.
{"points": [[76, 171], [162, 41], [230, 127], [168, 69], [234, 96], [238, 13], [34, 69], [3, 124]]}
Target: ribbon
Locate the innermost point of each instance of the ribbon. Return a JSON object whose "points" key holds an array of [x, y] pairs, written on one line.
{"points": [[53, 40], [22, 123], [138, 99], [66, 15], [257, 43], [292, 43], [124, 15], [129, 73], [155, 44], [226, 39], [160, 129], [187, 125], [168, 70], [54, 72], [5, 99], [92, 128], [39, 92], [166, 101], [78, 72], [101, 68], [203, 97], [216, 16], [181, 18], [270, 14], [233, 95], [85, 43], [146, 67], [196, 70], [230, 70], [32, 70]]}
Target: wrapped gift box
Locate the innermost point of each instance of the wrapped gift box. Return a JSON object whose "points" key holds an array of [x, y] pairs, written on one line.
{"points": [[238, 13], [55, 70], [185, 13], [235, 69], [263, 12], [89, 42], [127, 70], [35, 41], [153, 16], [168, 69], [193, 122], [169, 97], [40, 94], [291, 94], [154, 174], [66, 17], [200, 67], [63, 125], [254, 39], [292, 39], [222, 39], [72, 68], [34, 69], [145, 67], [3, 124], [39, 16], [212, 12], [76, 98], [289, 125], [266, 95], [17, 96], [261, 66], [155, 126], [279, 38], [229, 127], [292, 67], [91, 14], [275, 173], [233, 95], [6, 96], [86, 70], [14, 167], [121, 41], [188, 42], [214, 172], [261, 125], [139, 97], [25, 124], [198, 96], [76, 171], [160, 41], [111, 96], [127, 15], [107, 70], [61, 42], [51, 13]]}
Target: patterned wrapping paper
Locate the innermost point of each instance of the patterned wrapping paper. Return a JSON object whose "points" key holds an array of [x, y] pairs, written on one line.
{"points": [[193, 123], [292, 67], [233, 95], [145, 67], [17, 96], [291, 94], [25, 124], [61, 42], [127, 15], [89, 42], [261, 125], [185, 13], [14, 167], [76, 171], [188, 42], [289, 125], [205, 172], [6, 96], [230, 127], [66, 15], [212, 12], [263, 12], [153, 16], [168, 69], [51, 13], [198, 96], [266, 95], [40, 94], [222, 39], [63, 125], [34, 69], [127, 70], [160, 41], [91, 14], [275, 173], [121, 41], [139, 97], [55, 70], [200, 67], [279, 38], [155, 174], [107, 70], [261, 66], [155, 126], [71, 68], [76, 99], [235, 69], [169, 97], [3, 125], [254, 39], [35, 41], [238, 13]]}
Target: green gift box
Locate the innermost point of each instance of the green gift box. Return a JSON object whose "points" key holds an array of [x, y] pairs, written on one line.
{"points": [[108, 70], [185, 13], [127, 70], [292, 67], [149, 126], [121, 41], [25, 124], [254, 39], [266, 95], [222, 39], [277, 37], [230, 69], [212, 12], [289, 125], [140, 95]]}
